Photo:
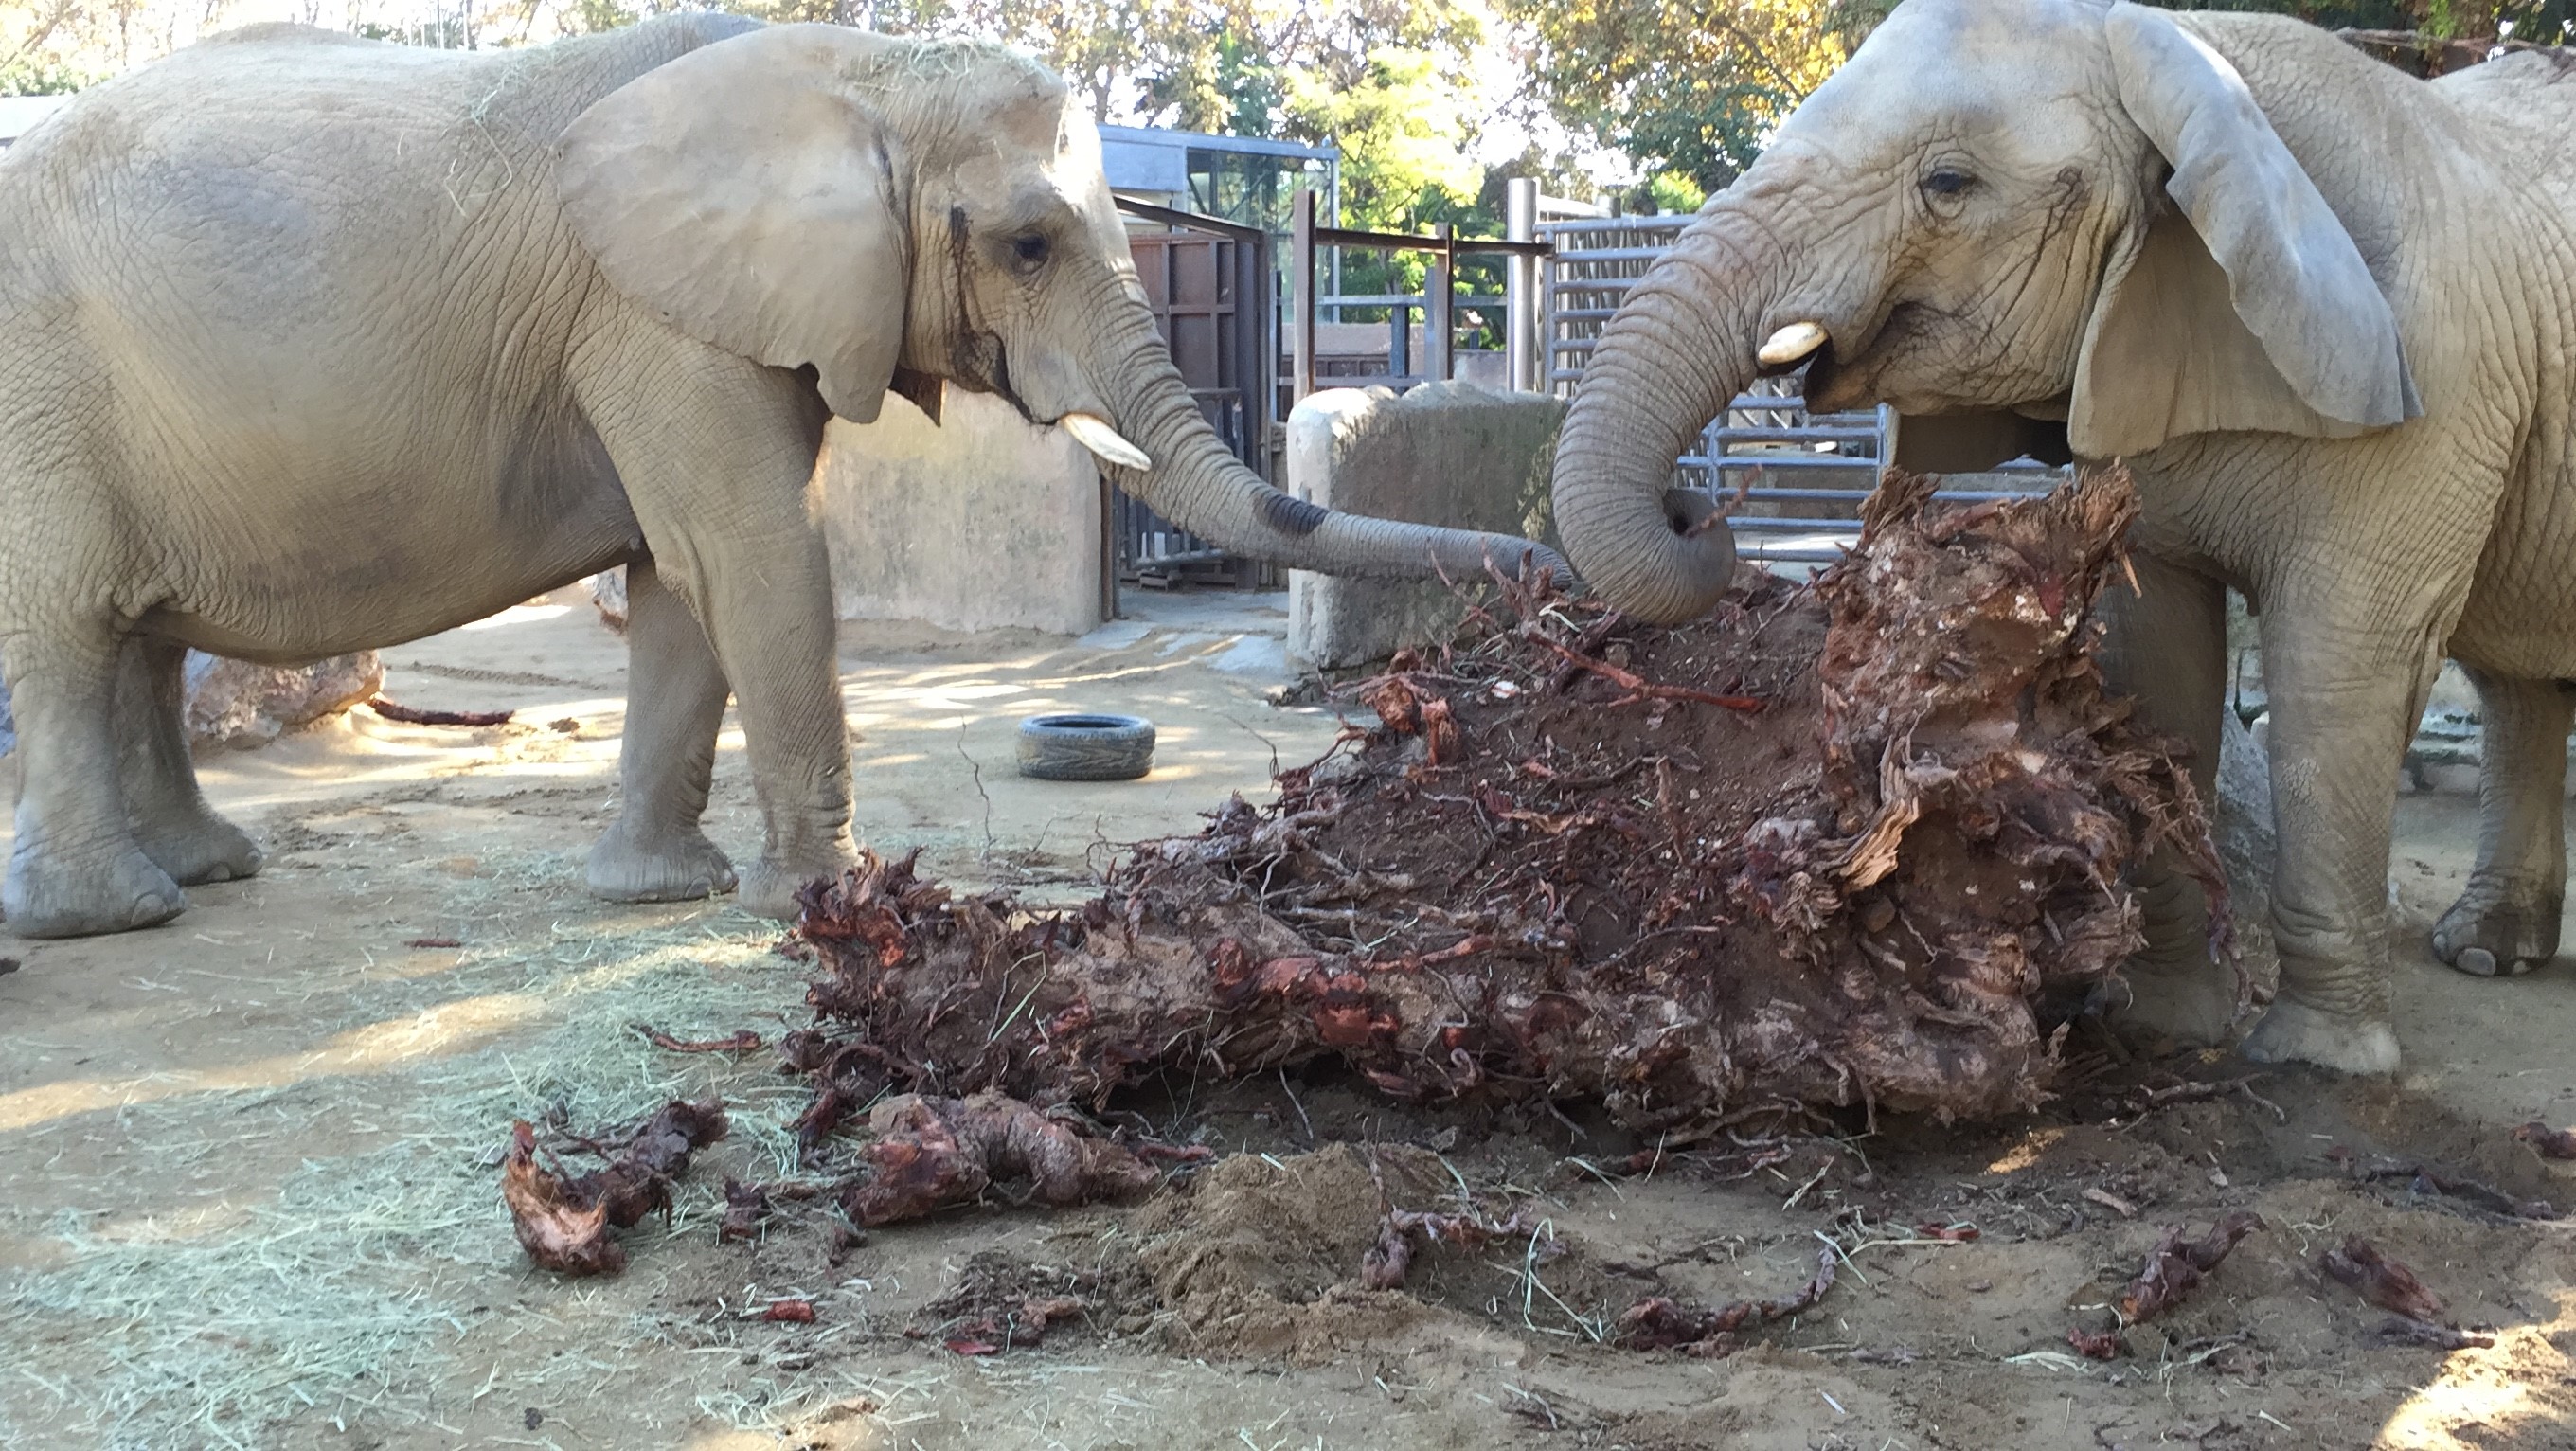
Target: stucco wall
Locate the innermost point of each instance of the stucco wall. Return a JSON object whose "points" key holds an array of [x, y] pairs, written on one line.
{"points": [[981, 521], [1444, 453]]}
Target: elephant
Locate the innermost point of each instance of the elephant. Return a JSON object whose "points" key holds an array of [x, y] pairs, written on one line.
{"points": [[2320, 308], [312, 344]]}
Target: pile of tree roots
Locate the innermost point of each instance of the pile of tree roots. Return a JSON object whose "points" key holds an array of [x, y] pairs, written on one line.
{"points": [[1853, 844]]}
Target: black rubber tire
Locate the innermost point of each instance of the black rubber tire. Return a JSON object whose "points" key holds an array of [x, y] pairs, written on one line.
{"points": [[1086, 747]]}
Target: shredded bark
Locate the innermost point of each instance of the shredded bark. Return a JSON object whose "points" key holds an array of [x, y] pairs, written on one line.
{"points": [[2547, 1142], [793, 1312], [744, 1041], [1659, 1323], [412, 715], [2384, 1282], [2407, 1330], [746, 1207], [2095, 1344], [1407, 1232], [2176, 1266], [563, 1221], [931, 1154], [1889, 888]]}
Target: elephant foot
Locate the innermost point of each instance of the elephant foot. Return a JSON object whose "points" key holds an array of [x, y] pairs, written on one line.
{"points": [[47, 896], [677, 867], [2194, 1005], [2293, 1032], [2488, 933], [769, 889], [206, 849]]}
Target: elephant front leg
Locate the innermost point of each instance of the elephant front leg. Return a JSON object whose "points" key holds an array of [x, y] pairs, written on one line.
{"points": [[675, 700], [76, 868], [2166, 645], [718, 460], [177, 829], [2506, 923], [2344, 700]]}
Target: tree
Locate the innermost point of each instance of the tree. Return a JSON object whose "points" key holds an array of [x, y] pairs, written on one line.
{"points": [[1686, 86]]}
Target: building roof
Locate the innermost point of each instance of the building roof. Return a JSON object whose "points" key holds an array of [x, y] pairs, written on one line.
{"points": [[1151, 159]]}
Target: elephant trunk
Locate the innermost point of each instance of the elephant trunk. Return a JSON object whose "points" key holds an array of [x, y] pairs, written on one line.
{"points": [[1196, 483], [1679, 349]]}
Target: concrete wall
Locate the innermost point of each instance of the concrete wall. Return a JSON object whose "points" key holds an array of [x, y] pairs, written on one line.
{"points": [[981, 521], [1444, 453]]}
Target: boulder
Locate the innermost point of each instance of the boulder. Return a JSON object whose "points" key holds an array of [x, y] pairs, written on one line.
{"points": [[235, 705]]}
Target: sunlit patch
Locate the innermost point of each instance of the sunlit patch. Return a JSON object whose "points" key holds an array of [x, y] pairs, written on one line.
{"points": [[2483, 1397], [2028, 1152], [518, 615], [437, 1032]]}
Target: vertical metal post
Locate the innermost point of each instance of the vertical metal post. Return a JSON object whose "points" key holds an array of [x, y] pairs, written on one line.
{"points": [[1521, 298], [1439, 319], [1399, 341], [1301, 293]]}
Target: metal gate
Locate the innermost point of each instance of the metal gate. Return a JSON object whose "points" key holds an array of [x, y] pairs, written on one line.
{"points": [[1210, 289], [1794, 480]]}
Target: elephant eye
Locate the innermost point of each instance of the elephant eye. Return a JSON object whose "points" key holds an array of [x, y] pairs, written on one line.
{"points": [[1946, 182], [1030, 250]]}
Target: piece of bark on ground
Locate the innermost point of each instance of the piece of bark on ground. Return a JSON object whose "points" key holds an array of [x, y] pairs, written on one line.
{"points": [[929, 1154], [563, 1220], [1890, 888], [1660, 1323], [2384, 1282], [2547, 1142], [2176, 1266], [414, 715]]}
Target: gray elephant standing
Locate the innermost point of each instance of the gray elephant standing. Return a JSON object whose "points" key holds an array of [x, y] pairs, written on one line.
{"points": [[2323, 310], [311, 344]]}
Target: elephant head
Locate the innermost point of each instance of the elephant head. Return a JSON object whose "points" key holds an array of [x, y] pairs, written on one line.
{"points": [[2062, 210], [895, 213]]}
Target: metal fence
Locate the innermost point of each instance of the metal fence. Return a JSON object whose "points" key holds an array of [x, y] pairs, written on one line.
{"points": [[1793, 479]]}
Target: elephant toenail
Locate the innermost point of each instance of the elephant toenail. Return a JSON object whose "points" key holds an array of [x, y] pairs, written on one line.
{"points": [[2476, 961]]}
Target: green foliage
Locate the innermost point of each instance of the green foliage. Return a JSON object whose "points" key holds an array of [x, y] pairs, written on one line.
{"points": [[1674, 193], [37, 78]]}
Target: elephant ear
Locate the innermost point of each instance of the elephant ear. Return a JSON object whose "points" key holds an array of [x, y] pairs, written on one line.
{"points": [[744, 194], [2251, 309]]}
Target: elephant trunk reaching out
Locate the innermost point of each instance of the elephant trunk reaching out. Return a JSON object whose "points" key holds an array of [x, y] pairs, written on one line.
{"points": [[1192, 479]]}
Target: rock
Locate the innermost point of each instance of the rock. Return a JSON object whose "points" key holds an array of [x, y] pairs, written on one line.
{"points": [[608, 592], [233, 704], [2243, 830]]}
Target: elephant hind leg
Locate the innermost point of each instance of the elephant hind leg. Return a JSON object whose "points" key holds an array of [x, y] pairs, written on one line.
{"points": [[176, 828], [675, 700], [2506, 922], [77, 868]]}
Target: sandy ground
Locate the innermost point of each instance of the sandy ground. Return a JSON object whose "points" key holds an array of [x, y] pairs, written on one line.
{"points": [[252, 1196]]}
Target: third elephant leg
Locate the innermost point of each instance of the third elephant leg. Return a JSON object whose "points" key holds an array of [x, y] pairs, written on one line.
{"points": [[2506, 923], [180, 833], [675, 699]]}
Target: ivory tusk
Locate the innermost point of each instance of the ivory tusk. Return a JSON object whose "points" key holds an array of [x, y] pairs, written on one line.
{"points": [[1094, 433], [1792, 344]]}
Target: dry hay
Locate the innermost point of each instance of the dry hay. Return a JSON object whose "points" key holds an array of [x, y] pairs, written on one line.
{"points": [[348, 1289]]}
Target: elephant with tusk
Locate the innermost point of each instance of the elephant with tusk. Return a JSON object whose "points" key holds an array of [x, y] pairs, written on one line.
{"points": [[310, 344], [2321, 308]]}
